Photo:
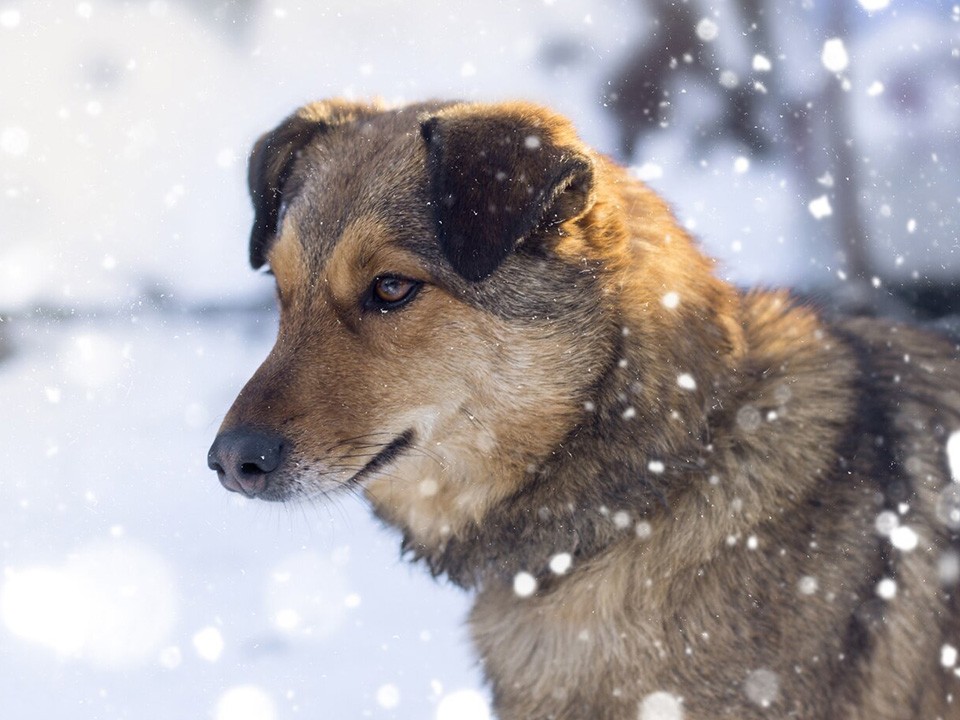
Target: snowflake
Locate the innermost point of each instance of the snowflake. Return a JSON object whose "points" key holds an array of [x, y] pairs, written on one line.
{"points": [[524, 584]]}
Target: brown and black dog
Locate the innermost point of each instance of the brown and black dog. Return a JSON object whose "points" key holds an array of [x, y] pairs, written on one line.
{"points": [[673, 499]]}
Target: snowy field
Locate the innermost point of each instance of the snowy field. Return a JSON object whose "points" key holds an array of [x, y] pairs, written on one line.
{"points": [[135, 587], [131, 584]]}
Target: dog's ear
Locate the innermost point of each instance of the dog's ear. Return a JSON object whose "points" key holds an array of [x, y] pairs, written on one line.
{"points": [[497, 174], [273, 158]]}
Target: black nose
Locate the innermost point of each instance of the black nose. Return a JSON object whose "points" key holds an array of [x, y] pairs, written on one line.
{"points": [[244, 458]]}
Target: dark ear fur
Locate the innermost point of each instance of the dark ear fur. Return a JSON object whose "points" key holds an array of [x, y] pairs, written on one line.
{"points": [[274, 156], [497, 175], [271, 161]]}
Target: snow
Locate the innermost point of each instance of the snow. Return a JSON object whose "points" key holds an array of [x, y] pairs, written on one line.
{"points": [[661, 705], [762, 686], [761, 63], [524, 584], [808, 585], [686, 381], [904, 538], [208, 643], [953, 455], [14, 140], [834, 55], [873, 5], [670, 300], [820, 207], [92, 607], [707, 30], [948, 656], [656, 467], [749, 419], [388, 696], [9, 18], [887, 589], [463, 705], [560, 563], [306, 595], [886, 522], [245, 702], [120, 548], [948, 506]]}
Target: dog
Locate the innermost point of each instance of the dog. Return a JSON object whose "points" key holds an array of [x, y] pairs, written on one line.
{"points": [[672, 498]]}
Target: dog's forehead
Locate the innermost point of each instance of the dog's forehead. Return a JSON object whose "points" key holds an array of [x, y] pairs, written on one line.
{"points": [[367, 172]]}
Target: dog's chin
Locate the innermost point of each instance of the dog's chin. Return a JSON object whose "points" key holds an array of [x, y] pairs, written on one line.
{"points": [[279, 492]]}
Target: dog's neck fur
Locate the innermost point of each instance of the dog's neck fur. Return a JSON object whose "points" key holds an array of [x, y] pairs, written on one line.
{"points": [[655, 431]]}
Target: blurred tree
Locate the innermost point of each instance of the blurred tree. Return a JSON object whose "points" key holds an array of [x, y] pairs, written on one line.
{"points": [[681, 42], [795, 106]]}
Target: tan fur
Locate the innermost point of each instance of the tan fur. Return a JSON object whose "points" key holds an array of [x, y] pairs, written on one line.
{"points": [[533, 391]]}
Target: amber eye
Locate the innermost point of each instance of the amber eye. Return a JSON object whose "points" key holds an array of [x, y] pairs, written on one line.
{"points": [[389, 292]]}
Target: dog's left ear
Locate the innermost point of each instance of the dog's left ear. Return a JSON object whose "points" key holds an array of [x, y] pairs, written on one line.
{"points": [[271, 162], [273, 158], [499, 174]]}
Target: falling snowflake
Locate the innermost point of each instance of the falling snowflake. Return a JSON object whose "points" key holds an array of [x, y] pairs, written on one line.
{"points": [[707, 30], [245, 702], [887, 589], [14, 140], [388, 696], [208, 643], [887, 521], [621, 519], [834, 55], [948, 656], [524, 584], [670, 300], [948, 506], [761, 63], [762, 687], [820, 207], [463, 705], [749, 419], [904, 538], [953, 455], [661, 706], [560, 563]]}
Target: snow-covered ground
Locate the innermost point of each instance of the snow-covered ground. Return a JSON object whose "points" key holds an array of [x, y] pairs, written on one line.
{"points": [[135, 587], [131, 584]]}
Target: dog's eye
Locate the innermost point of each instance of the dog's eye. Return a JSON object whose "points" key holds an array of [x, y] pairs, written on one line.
{"points": [[390, 292]]}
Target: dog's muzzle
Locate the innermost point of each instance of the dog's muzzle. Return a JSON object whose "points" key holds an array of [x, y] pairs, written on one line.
{"points": [[244, 458]]}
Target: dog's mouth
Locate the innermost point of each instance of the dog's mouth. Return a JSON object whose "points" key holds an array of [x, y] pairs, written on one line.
{"points": [[390, 452], [259, 465]]}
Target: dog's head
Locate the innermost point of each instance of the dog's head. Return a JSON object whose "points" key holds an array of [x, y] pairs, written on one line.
{"points": [[441, 319]]}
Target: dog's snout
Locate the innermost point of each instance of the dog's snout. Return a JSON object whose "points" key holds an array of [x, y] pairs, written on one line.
{"points": [[244, 458]]}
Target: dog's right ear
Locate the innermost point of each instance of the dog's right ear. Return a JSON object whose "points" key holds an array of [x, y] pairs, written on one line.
{"points": [[498, 174], [274, 156]]}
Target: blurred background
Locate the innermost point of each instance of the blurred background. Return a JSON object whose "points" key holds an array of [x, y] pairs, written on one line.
{"points": [[808, 143]]}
